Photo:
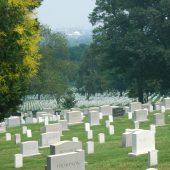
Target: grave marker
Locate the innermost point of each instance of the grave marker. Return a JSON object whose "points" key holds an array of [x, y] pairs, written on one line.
{"points": [[64, 147], [67, 161], [17, 138], [142, 142], [101, 138], [153, 158], [18, 161], [90, 147], [29, 148], [94, 118], [46, 139]]}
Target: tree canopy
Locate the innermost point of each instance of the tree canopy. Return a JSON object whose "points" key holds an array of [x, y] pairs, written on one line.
{"points": [[131, 40], [19, 54], [57, 71]]}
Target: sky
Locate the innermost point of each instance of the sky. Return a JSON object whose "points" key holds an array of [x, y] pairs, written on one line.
{"points": [[66, 13]]}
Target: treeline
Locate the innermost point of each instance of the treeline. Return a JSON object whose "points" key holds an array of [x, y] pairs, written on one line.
{"points": [[58, 66], [63, 67], [131, 46]]}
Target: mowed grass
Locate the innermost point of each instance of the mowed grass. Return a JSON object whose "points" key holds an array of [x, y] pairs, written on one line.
{"points": [[108, 156]]}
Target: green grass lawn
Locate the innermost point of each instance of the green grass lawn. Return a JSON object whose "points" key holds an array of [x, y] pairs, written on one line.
{"points": [[108, 156]]}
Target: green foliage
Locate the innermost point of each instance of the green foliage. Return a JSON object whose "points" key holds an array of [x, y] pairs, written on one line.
{"points": [[68, 101], [131, 41], [88, 80], [56, 71], [19, 54], [76, 52]]}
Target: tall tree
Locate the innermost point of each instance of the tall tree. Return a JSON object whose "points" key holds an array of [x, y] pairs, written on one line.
{"points": [[19, 57], [131, 38], [88, 80], [56, 71], [76, 52]]}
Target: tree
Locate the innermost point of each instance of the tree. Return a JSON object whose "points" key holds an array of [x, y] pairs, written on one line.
{"points": [[56, 71], [68, 100], [76, 52], [131, 41], [19, 57], [88, 80]]}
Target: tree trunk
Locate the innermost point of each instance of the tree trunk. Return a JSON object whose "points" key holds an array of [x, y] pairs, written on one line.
{"points": [[121, 93], [140, 90], [39, 96], [87, 96]]}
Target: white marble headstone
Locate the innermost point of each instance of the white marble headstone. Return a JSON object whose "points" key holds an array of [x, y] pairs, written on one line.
{"points": [[90, 134], [46, 139], [17, 138], [46, 120], [18, 161], [110, 118], [75, 139], [24, 130], [162, 109], [153, 158], [67, 161], [64, 147], [142, 142], [87, 126], [90, 147], [29, 133], [101, 137], [8, 136], [29, 148], [111, 130], [107, 123]]}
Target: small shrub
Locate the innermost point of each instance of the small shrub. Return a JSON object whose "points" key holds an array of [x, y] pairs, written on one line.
{"points": [[68, 100]]}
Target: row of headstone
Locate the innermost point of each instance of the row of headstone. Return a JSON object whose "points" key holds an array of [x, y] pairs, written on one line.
{"points": [[17, 137], [14, 121], [138, 140]]}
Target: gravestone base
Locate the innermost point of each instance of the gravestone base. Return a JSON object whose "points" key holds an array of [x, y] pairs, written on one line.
{"points": [[70, 124], [135, 154], [24, 156]]}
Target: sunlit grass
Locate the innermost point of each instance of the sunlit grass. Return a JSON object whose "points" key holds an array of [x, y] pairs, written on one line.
{"points": [[108, 156]]}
